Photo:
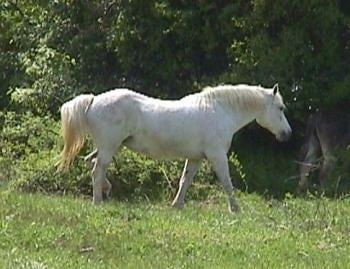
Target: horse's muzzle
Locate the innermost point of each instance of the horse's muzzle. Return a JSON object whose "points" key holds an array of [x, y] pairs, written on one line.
{"points": [[284, 135]]}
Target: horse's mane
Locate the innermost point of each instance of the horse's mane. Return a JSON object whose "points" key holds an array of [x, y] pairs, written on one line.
{"points": [[240, 96]]}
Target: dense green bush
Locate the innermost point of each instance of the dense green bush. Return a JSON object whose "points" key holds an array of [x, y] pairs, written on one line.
{"points": [[30, 151], [23, 135], [50, 81], [133, 176], [270, 167]]}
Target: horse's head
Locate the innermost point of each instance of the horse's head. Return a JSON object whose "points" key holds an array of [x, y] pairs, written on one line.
{"points": [[273, 118]]}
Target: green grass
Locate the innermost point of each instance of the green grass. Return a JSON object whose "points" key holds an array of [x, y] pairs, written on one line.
{"points": [[42, 231]]}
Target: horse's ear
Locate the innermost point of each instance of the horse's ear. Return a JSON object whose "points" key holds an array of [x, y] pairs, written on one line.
{"points": [[275, 89]]}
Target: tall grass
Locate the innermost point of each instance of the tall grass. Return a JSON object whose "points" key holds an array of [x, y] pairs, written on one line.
{"points": [[43, 231]]}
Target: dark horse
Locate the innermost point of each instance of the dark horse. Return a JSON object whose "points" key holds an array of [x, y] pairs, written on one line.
{"points": [[326, 132]]}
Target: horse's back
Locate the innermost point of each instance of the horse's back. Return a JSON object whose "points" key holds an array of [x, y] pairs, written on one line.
{"points": [[111, 114], [164, 128], [168, 129]]}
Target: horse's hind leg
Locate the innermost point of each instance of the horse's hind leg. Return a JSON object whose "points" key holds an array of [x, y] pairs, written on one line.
{"points": [[305, 168], [220, 165], [99, 180], [189, 171], [90, 159], [106, 187]]}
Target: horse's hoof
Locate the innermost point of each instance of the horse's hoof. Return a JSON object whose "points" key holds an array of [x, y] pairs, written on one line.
{"points": [[97, 201]]}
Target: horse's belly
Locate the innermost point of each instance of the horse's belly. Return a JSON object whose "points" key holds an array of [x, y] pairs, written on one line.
{"points": [[158, 148]]}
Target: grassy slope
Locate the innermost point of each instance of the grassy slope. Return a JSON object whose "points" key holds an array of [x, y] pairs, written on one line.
{"points": [[39, 231]]}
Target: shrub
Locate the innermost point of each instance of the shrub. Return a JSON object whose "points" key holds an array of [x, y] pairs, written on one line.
{"points": [[133, 176], [31, 145], [22, 135]]}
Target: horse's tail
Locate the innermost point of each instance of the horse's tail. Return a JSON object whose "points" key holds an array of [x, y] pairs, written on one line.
{"points": [[74, 127]]}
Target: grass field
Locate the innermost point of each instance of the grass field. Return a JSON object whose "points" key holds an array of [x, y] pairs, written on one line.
{"points": [[42, 231]]}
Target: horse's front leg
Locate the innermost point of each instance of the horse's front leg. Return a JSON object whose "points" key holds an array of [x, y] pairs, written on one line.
{"points": [[305, 169], [189, 171], [308, 163], [220, 165]]}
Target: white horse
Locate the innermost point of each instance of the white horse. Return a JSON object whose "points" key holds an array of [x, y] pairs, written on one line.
{"points": [[198, 126]]}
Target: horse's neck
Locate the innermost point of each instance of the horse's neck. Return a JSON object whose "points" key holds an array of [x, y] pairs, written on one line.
{"points": [[244, 106], [243, 115]]}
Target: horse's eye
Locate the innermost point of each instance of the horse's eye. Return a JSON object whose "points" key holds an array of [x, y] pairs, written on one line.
{"points": [[281, 108]]}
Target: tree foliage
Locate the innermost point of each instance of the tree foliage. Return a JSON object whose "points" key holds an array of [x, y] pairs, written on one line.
{"points": [[53, 50], [304, 45]]}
